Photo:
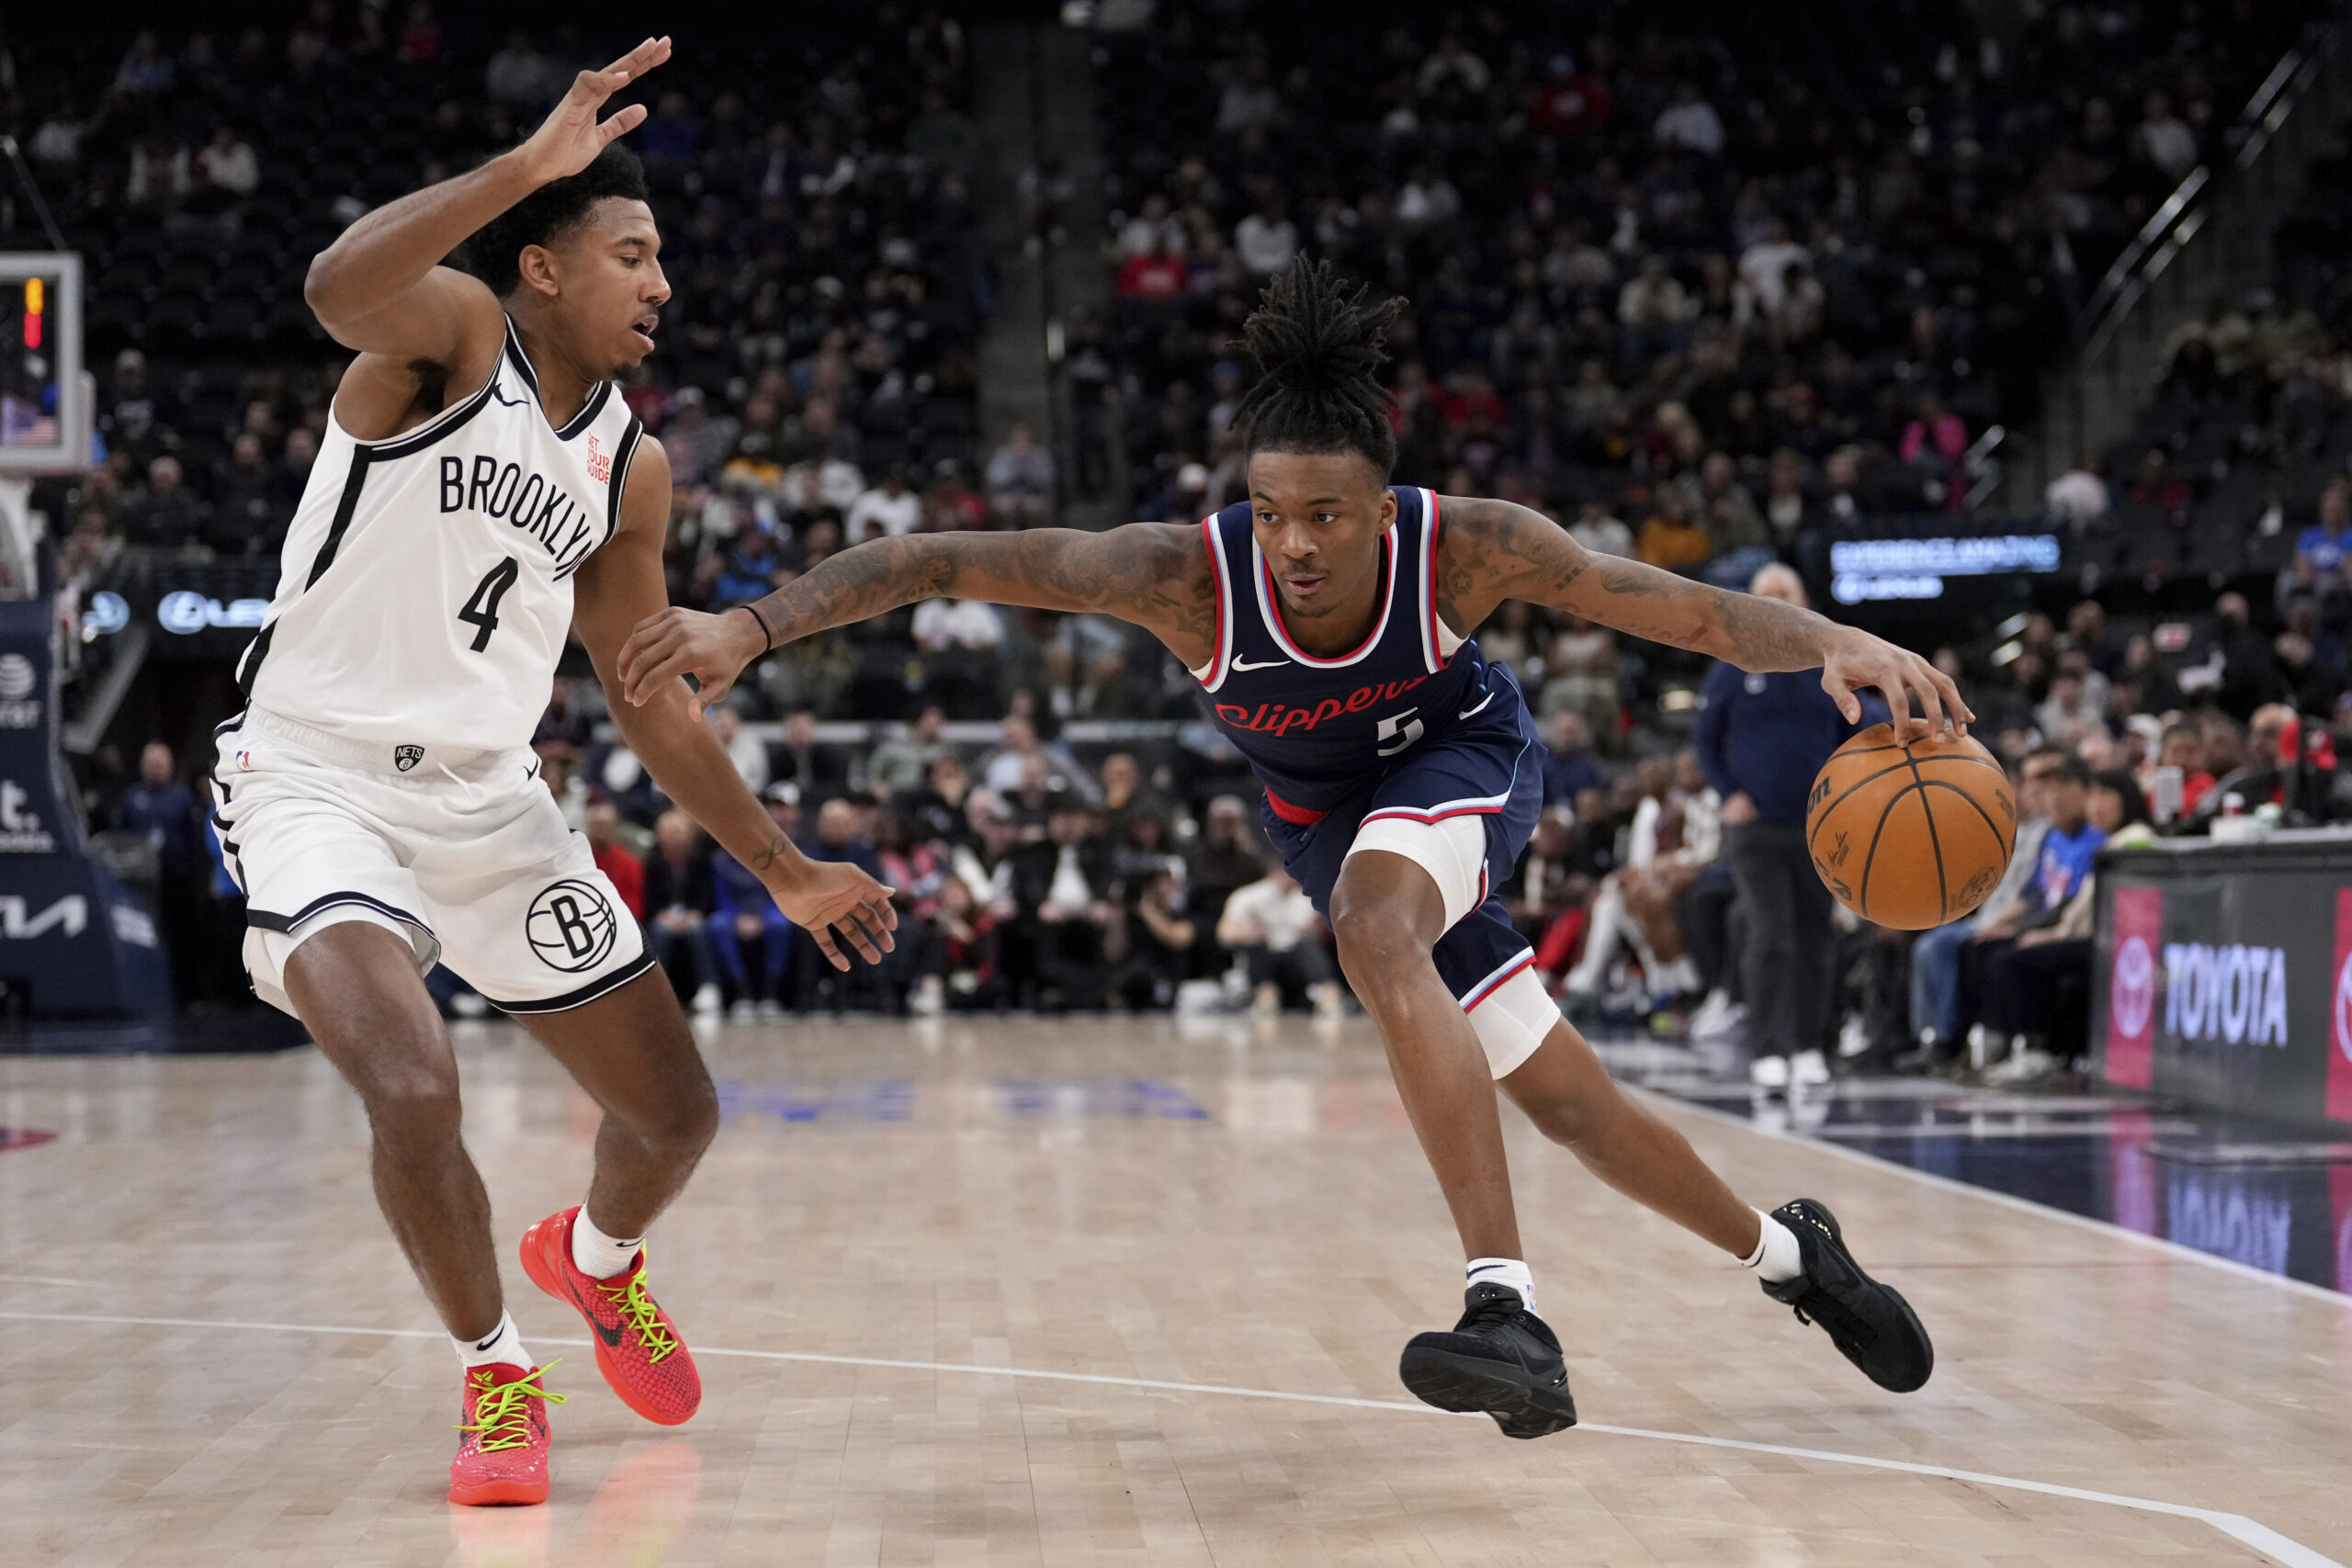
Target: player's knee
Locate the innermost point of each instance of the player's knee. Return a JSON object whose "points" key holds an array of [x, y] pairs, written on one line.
{"points": [[690, 1120], [1377, 943], [410, 1096]]}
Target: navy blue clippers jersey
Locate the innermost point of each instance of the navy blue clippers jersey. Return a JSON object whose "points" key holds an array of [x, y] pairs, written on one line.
{"points": [[1318, 731]]}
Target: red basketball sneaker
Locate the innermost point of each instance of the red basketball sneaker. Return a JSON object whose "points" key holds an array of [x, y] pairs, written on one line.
{"points": [[637, 1348], [503, 1457]]}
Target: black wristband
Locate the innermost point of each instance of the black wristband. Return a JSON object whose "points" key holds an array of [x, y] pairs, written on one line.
{"points": [[754, 611]]}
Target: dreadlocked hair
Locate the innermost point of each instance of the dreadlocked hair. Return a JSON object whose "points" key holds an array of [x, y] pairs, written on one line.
{"points": [[1318, 342]]}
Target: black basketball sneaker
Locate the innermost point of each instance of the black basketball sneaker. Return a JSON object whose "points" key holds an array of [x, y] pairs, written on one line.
{"points": [[1500, 1359], [1870, 1323]]}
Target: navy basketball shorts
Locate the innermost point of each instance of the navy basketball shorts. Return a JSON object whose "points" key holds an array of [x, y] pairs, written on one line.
{"points": [[1463, 809]]}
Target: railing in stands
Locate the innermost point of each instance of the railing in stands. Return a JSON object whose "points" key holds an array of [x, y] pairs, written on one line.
{"points": [[2165, 275]]}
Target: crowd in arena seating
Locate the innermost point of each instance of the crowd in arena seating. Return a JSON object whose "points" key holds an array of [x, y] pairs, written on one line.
{"points": [[2240, 454], [816, 379], [1700, 315], [1702, 289]]}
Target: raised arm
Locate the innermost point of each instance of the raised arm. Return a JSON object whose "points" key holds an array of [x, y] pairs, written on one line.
{"points": [[1156, 575], [1494, 550], [380, 288]]}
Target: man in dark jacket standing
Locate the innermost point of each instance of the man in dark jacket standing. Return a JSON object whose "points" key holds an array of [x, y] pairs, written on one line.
{"points": [[165, 812], [1761, 740]]}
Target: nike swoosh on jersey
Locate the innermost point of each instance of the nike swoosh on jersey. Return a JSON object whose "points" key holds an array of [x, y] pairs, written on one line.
{"points": [[1269, 664], [1466, 712]]}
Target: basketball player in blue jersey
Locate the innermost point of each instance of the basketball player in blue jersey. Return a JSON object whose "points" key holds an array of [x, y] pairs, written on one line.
{"points": [[1328, 620], [483, 489]]}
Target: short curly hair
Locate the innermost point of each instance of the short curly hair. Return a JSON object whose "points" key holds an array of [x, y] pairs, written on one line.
{"points": [[495, 255]]}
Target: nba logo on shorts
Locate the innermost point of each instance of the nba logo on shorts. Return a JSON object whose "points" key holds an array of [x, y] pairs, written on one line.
{"points": [[2132, 986], [2339, 1014], [570, 925], [407, 757]]}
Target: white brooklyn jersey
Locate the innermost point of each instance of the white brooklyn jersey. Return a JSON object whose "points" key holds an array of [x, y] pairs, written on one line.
{"points": [[426, 590]]}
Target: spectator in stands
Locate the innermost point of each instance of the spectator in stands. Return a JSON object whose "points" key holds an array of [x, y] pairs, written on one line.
{"points": [[1935, 956], [2069, 847], [1691, 123], [613, 858], [1599, 532], [1270, 926], [1227, 855], [226, 165], [1568, 767], [963, 637], [1581, 676], [1672, 538], [1058, 770], [749, 934], [167, 515], [2024, 987], [958, 961], [820, 768], [1760, 741], [904, 761], [1060, 887], [748, 752], [164, 813], [1020, 479], [2078, 497], [1149, 943], [519, 74], [890, 508], [679, 899]]}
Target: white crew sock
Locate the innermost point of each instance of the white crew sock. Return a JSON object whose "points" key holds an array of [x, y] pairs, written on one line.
{"points": [[597, 1255], [1503, 1271], [503, 1344], [1776, 1259]]}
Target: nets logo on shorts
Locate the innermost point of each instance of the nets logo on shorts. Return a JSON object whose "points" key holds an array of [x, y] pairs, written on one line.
{"points": [[570, 925], [407, 757]]}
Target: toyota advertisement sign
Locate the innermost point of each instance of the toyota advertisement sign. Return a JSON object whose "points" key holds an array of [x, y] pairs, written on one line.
{"points": [[2224, 974]]}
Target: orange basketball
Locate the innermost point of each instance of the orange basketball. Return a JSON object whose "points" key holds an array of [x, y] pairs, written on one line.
{"points": [[1910, 835]]}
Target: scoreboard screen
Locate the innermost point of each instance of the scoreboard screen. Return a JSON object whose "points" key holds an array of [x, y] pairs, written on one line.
{"points": [[44, 411]]}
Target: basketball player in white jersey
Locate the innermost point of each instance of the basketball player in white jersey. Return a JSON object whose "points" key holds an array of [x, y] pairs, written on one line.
{"points": [[482, 490]]}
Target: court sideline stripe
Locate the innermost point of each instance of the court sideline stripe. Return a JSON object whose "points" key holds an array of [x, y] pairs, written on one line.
{"points": [[2260, 1537], [2179, 1250]]}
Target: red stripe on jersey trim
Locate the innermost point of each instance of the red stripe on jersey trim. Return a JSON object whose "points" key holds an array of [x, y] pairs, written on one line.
{"points": [[1496, 984], [1296, 815], [1413, 814]]}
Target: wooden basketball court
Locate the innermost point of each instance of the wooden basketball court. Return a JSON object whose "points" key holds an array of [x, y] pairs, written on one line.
{"points": [[1096, 1291]]}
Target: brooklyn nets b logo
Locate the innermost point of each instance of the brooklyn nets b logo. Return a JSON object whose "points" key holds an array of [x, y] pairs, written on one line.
{"points": [[407, 757], [571, 926]]}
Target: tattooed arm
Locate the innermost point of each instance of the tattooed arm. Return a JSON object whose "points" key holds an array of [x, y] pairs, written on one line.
{"points": [[1156, 575], [1494, 550]]}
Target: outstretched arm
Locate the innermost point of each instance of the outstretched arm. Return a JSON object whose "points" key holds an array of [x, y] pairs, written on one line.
{"points": [[1153, 574], [1493, 550], [620, 585]]}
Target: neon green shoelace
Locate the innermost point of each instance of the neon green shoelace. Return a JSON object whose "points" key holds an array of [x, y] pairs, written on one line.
{"points": [[638, 1311], [502, 1412]]}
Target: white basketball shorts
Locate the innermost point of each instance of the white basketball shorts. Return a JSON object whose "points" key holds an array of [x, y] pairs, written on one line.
{"points": [[464, 855]]}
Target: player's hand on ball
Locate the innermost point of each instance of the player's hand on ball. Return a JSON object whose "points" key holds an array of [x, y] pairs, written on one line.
{"points": [[677, 643], [835, 897], [1855, 659], [571, 137]]}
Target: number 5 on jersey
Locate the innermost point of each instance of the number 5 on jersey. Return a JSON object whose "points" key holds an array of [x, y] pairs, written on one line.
{"points": [[1398, 731], [481, 608]]}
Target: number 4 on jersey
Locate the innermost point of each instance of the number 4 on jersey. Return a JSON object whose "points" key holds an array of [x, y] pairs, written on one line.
{"points": [[482, 609]]}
